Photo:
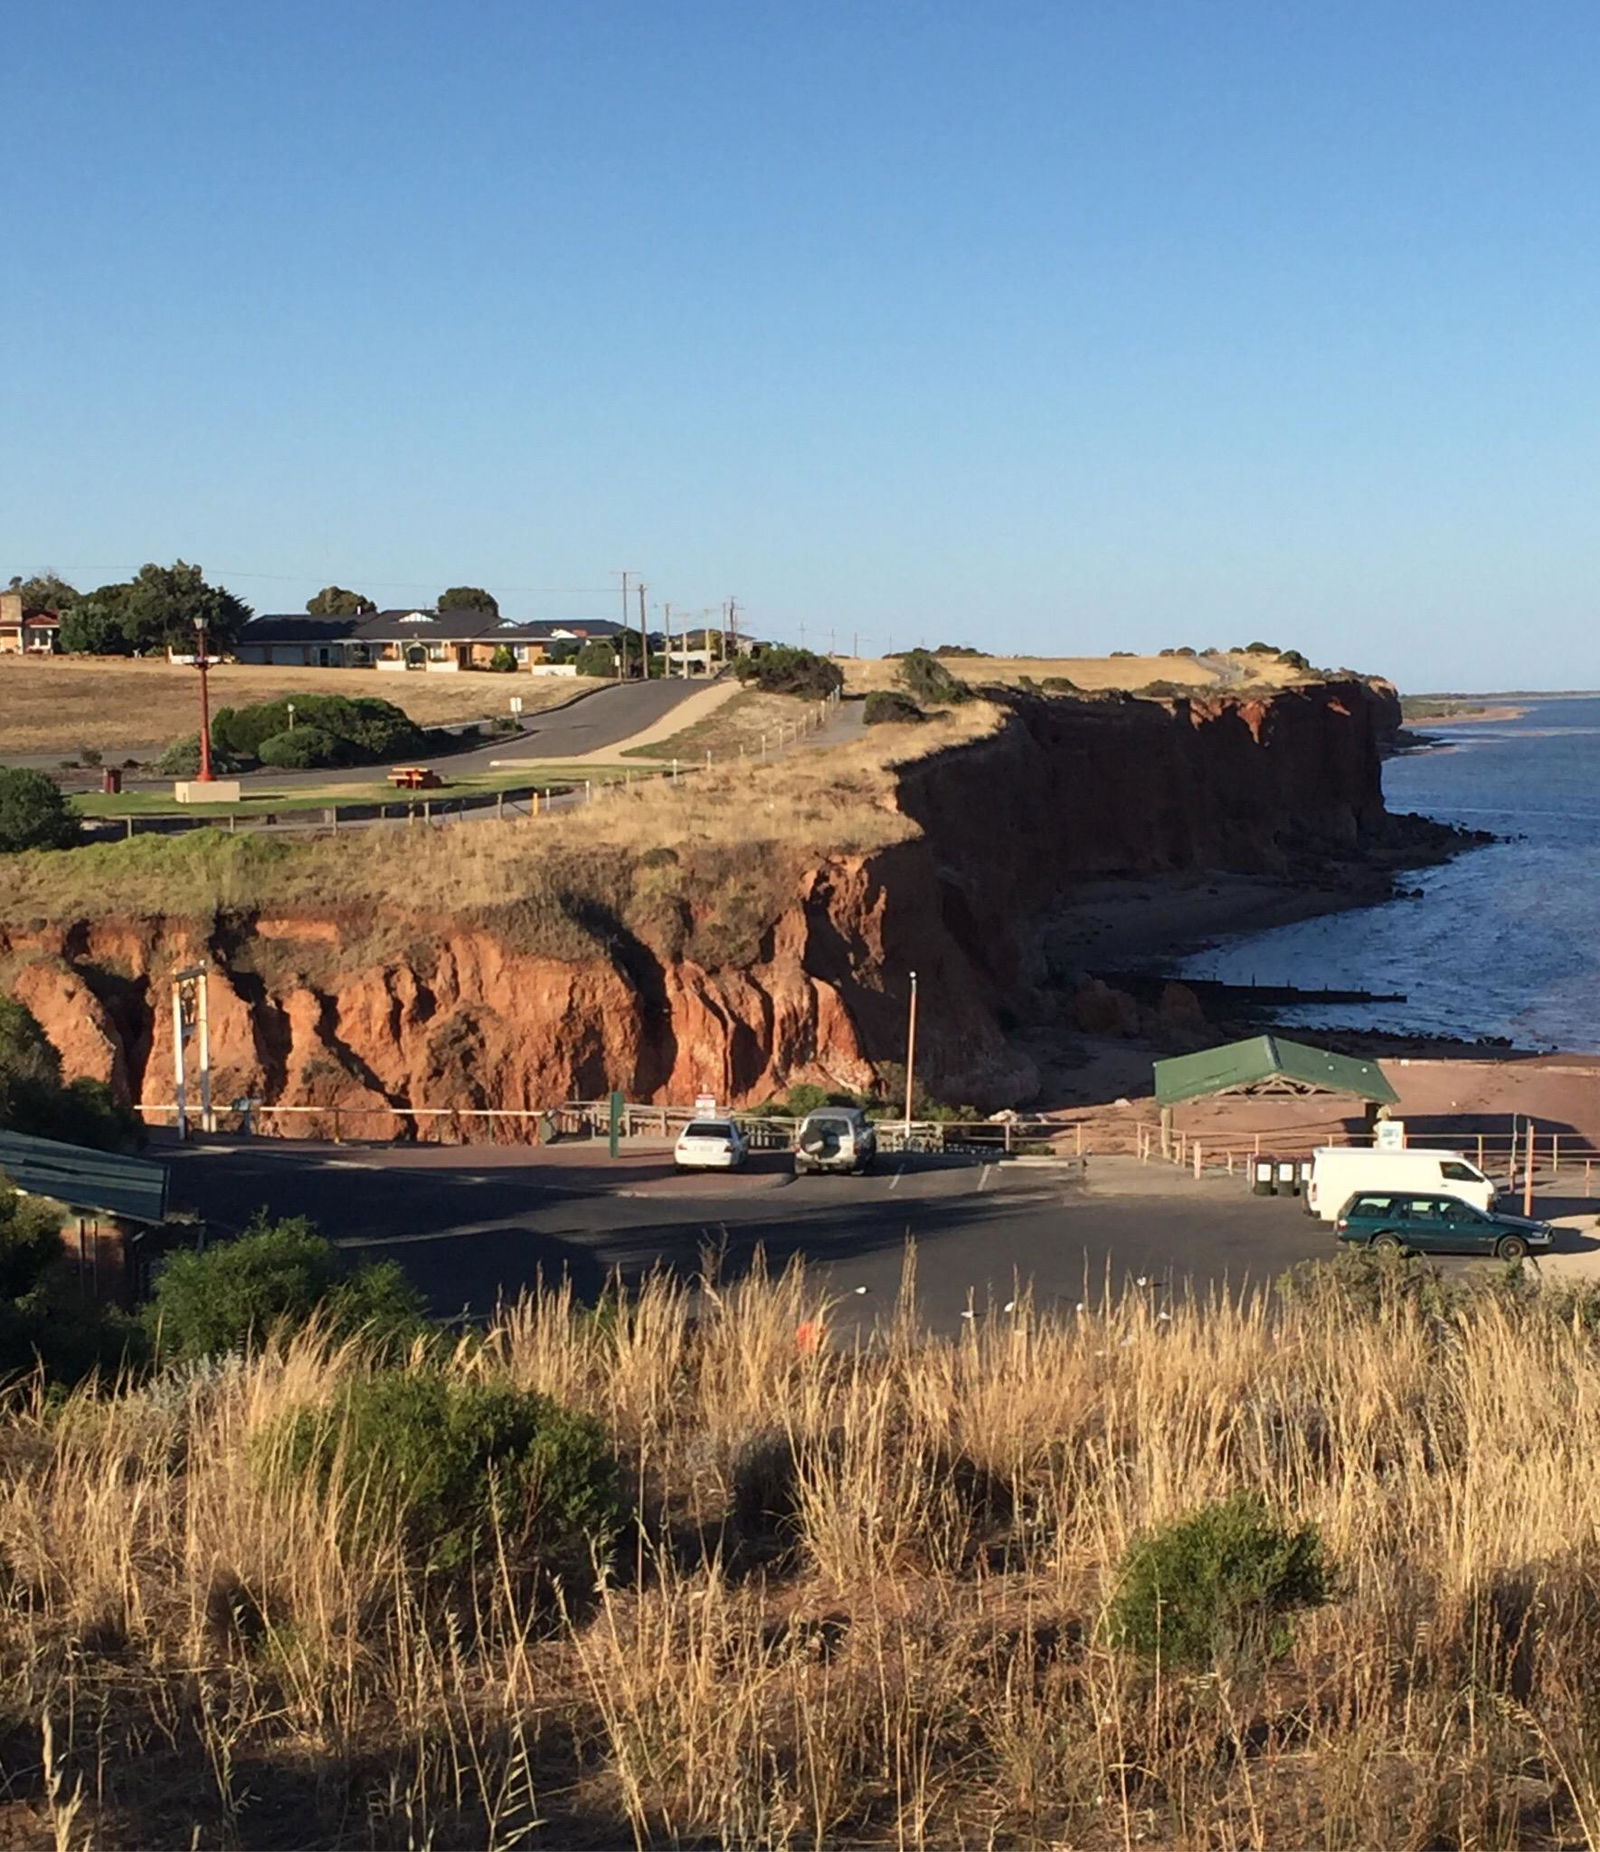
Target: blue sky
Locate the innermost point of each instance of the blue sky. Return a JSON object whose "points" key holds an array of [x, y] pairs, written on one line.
{"points": [[1050, 328]]}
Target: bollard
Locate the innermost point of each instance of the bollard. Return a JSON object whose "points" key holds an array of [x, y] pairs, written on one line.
{"points": [[129, 836], [1080, 1138], [1555, 1154], [1197, 1161]]}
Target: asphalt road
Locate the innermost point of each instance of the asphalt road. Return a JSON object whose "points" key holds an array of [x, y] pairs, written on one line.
{"points": [[604, 718], [473, 1224]]}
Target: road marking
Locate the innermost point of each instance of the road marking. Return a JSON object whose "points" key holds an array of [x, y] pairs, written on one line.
{"points": [[894, 1181], [983, 1177]]}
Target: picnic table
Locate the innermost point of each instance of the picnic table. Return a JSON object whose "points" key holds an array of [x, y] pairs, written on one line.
{"points": [[415, 778]]}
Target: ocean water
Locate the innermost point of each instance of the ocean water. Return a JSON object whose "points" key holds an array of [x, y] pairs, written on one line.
{"points": [[1505, 940]]}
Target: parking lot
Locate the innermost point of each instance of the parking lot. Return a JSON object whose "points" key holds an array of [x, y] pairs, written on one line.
{"points": [[474, 1224]]}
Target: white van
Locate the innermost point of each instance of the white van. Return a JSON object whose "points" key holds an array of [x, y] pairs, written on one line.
{"points": [[1339, 1171]]}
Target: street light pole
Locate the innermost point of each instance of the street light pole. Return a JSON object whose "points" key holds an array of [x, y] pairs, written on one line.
{"points": [[911, 1053], [207, 776]]}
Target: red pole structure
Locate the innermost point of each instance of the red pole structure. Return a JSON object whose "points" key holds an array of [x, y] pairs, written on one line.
{"points": [[206, 774]]}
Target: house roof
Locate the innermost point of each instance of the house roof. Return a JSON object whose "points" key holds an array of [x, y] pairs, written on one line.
{"points": [[1269, 1064], [545, 630], [296, 627], [453, 626], [96, 1181]]}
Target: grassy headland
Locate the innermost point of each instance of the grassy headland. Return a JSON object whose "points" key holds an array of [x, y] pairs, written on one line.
{"points": [[59, 704]]}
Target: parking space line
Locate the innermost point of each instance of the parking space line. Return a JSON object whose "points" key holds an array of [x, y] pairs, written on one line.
{"points": [[894, 1181], [983, 1175]]}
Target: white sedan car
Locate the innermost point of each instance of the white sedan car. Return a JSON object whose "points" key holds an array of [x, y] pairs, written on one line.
{"points": [[711, 1144]]}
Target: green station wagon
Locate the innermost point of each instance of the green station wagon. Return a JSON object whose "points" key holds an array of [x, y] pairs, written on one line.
{"points": [[1423, 1222]]}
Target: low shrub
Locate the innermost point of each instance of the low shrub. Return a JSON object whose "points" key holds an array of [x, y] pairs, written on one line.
{"points": [[775, 668], [885, 705], [182, 758], [926, 679], [502, 662], [231, 1296], [302, 749], [368, 728], [1218, 1588], [464, 1469], [33, 813]]}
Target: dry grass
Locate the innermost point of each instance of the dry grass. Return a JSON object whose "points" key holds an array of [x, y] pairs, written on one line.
{"points": [[738, 727], [56, 705], [737, 825], [864, 1605], [1226, 670]]}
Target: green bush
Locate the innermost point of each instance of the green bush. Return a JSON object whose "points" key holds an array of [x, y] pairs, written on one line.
{"points": [[1293, 659], [1218, 1588], [776, 668], [229, 1297], [885, 705], [45, 1322], [182, 758], [465, 1469], [598, 659], [304, 749], [33, 813], [926, 679], [368, 729], [34, 1100], [502, 662]]}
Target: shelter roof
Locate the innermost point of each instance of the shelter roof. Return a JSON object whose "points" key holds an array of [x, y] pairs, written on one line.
{"points": [[1269, 1064], [99, 1181]]}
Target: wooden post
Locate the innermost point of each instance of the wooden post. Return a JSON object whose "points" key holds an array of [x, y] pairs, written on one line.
{"points": [[1198, 1160], [499, 806], [336, 1138], [1257, 1151], [1588, 1176], [1080, 1138], [1527, 1182], [1166, 1131], [1555, 1154]]}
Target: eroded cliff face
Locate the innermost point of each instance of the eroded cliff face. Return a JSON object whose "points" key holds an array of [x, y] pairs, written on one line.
{"points": [[363, 1009]]}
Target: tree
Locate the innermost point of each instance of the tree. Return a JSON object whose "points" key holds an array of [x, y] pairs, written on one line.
{"points": [[98, 624], [503, 662], [33, 813], [44, 591], [469, 598], [336, 601], [156, 608]]}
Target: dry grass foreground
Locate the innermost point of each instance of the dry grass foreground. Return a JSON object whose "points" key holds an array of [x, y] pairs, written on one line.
{"points": [[120, 705], [748, 825], [1225, 671], [864, 1605]]}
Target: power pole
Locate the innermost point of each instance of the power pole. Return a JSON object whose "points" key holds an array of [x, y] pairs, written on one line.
{"points": [[622, 635], [666, 628], [644, 637]]}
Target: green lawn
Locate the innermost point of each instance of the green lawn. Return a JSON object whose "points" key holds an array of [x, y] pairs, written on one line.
{"points": [[159, 802]]}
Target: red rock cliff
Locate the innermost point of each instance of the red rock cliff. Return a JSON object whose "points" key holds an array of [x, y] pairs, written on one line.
{"points": [[463, 1018]]}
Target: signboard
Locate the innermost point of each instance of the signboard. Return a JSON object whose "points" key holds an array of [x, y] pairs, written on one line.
{"points": [[1391, 1134], [516, 704], [705, 1105]]}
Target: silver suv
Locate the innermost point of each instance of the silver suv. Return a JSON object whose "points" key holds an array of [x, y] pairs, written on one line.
{"points": [[835, 1138]]}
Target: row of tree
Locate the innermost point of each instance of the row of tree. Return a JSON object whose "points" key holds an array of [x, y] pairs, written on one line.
{"points": [[159, 605]]}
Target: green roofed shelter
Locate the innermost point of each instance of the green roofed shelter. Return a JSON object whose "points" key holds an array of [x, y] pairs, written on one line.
{"points": [[92, 1182], [1269, 1064]]}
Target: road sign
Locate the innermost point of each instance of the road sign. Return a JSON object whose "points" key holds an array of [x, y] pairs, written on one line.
{"points": [[1391, 1134], [705, 1105], [516, 704]]}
